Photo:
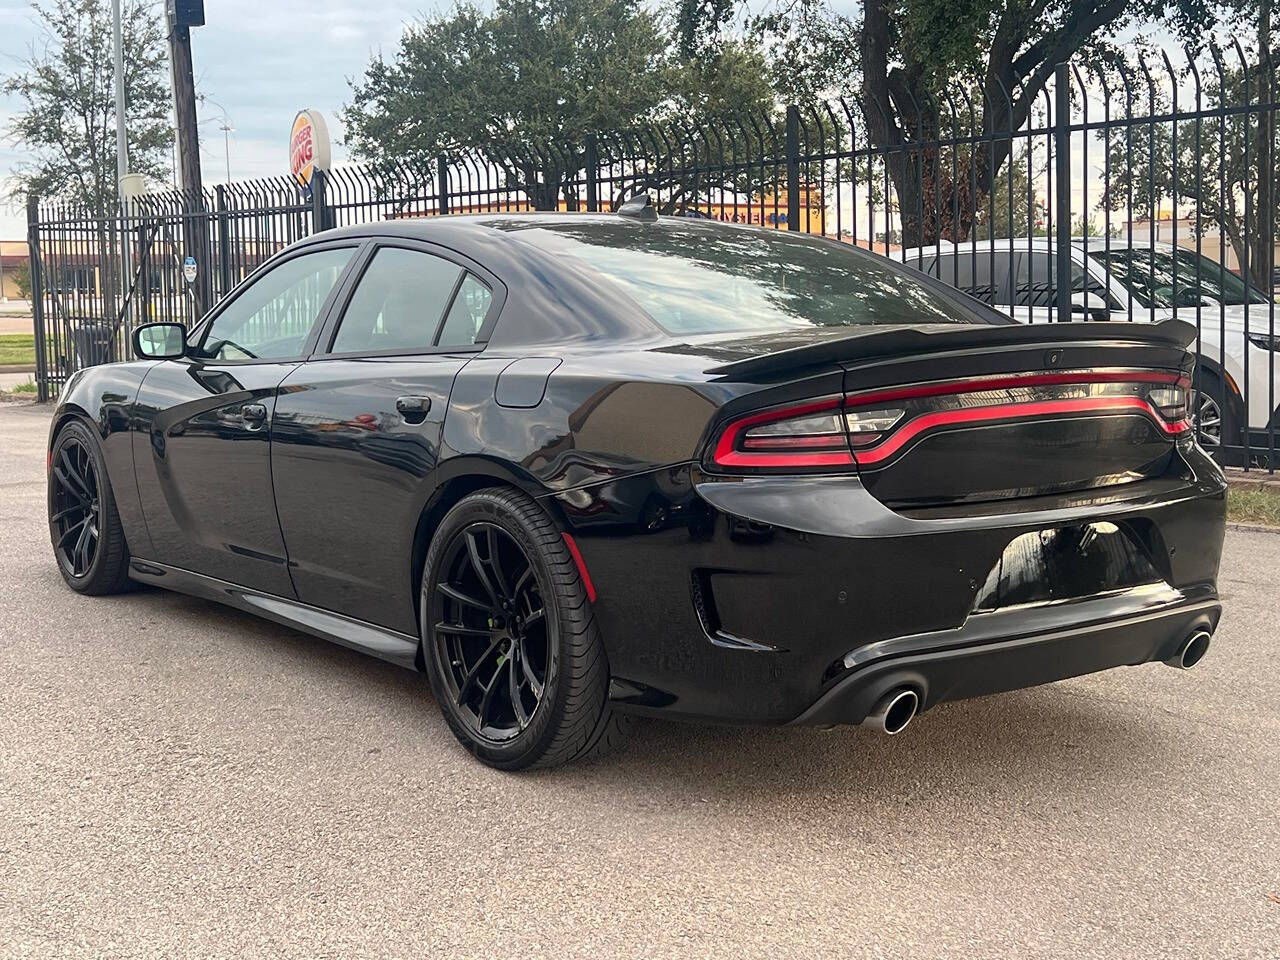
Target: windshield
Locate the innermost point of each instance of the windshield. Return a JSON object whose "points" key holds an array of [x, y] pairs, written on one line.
{"points": [[695, 279], [1150, 276]]}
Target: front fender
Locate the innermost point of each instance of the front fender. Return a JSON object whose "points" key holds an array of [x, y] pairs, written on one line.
{"points": [[104, 397]]}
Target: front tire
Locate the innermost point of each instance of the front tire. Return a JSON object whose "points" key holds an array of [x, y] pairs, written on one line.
{"points": [[1216, 413], [84, 525], [510, 641]]}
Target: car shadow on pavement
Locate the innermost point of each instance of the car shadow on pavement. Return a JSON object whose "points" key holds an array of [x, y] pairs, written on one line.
{"points": [[1029, 741]]}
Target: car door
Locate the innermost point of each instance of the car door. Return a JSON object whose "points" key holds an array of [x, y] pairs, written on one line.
{"points": [[357, 428], [203, 424], [1035, 289]]}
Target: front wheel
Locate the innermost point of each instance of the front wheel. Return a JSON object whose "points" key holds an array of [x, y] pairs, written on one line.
{"points": [[510, 643], [1215, 413], [84, 526]]}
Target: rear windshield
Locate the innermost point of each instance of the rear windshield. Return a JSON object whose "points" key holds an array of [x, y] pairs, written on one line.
{"points": [[695, 279]]}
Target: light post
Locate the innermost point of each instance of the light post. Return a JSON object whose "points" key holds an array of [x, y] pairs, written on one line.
{"points": [[227, 129], [122, 143]]}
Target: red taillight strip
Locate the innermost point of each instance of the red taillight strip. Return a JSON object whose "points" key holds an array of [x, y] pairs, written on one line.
{"points": [[581, 565], [726, 456], [977, 385], [1044, 408]]}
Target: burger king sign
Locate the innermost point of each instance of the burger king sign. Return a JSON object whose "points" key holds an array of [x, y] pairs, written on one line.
{"points": [[308, 147]]}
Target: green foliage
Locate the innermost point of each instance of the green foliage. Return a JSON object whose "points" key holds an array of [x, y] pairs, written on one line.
{"points": [[916, 68], [22, 279], [1220, 173], [17, 348], [65, 88], [526, 85]]}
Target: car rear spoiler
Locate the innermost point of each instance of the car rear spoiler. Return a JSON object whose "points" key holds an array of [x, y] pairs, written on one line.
{"points": [[904, 343]]}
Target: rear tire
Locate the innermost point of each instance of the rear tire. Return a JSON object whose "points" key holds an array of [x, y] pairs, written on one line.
{"points": [[510, 641], [84, 525]]}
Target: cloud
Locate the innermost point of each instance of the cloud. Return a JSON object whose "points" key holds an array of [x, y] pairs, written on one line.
{"points": [[261, 62]]}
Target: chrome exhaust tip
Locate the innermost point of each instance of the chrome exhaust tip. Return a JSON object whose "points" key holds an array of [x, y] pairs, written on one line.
{"points": [[1191, 652], [896, 709]]}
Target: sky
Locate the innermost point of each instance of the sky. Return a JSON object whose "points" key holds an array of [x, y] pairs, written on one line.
{"points": [[261, 61]]}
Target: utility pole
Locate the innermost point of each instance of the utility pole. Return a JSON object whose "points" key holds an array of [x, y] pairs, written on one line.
{"points": [[183, 15]]}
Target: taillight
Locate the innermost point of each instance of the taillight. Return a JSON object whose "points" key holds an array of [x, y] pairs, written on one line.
{"points": [[1170, 402], [864, 430], [869, 426], [806, 435]]}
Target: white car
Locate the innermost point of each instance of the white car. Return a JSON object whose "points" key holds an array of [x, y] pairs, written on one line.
{"points": [[1141, 282]]}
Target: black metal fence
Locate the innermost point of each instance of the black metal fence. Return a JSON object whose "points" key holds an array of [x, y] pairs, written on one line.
{"points": [[1152, 186]]}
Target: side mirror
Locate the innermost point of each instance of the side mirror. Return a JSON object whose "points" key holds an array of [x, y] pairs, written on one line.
{"points": [[160, 341], [1094, 306]]}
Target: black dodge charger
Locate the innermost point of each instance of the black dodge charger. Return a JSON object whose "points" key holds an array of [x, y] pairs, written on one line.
{"points": [[578, 467]]}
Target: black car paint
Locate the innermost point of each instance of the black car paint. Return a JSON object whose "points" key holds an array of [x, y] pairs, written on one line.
{"points": [[725, 597]]}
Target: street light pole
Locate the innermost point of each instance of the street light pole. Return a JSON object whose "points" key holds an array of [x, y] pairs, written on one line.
{"points": [[122, 143]]}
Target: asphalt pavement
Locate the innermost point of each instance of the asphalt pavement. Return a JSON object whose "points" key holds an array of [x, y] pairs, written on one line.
{"points": [[180, 779]]}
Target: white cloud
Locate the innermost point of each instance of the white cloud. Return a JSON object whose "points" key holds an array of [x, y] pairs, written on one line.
{"points": [[262, 62]]}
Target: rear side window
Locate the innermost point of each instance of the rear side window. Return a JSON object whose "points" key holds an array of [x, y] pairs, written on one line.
{"points": [[701, 279], [466, 316], [1036, 281], [398, 303], [980, 274]]}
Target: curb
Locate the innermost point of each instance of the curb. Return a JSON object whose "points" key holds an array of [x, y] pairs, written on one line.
{"points": [[17, 368], [1238, 479], [1252, 527]]}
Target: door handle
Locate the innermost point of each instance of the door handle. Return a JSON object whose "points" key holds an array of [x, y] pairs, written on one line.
{"points": [[413, 409], [254, 415]]}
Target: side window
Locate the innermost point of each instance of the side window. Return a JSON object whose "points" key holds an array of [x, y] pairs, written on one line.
{"points": [[467, 314], [398, 302], [1035, 284], [273, 317], [979, 273]]}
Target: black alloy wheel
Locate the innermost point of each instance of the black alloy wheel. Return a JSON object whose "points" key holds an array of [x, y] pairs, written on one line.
{"points": [[510, 641], [492, 629], [76, 517], [84, 527]]}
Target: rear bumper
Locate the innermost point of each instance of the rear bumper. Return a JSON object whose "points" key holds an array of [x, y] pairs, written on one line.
{"points": [[779, 600], [953, 667]]}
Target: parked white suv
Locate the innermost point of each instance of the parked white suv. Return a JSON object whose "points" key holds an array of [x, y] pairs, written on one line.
{"points": [[1141, 282]]}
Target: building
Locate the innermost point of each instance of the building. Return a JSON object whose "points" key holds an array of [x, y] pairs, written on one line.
{"points": [[14, 257]]}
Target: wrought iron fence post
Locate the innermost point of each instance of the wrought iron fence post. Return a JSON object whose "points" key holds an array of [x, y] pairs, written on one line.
{"points": [[793, 167], [442, 184], [319, 201], [1062, 187], [37, 296], [224, 241], [592, 163]]}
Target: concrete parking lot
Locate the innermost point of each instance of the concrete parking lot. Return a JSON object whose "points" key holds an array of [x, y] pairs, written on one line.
{"points": [[179, 779]]}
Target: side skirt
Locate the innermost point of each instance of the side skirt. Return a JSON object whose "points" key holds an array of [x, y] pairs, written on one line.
{"points": [[389, 645]]}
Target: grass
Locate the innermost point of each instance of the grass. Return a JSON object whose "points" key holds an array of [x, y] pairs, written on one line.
{"points": [[17, 348], [28, 387], [1254, 506]]}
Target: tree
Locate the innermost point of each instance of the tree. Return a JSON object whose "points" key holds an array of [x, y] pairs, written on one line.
{"points": [[66, 89], [527, 85], [910, 63], [1225, 171], [22, 279]]}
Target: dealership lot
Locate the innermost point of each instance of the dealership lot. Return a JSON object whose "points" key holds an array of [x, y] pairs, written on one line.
{"points": [[177, 778]]}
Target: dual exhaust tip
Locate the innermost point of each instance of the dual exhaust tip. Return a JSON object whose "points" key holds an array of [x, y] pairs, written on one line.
{"points": [[1191, 651], [897, 708]]}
